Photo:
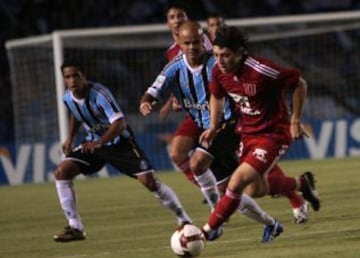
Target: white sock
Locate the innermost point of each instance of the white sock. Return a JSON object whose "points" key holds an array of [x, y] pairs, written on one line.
{"points": [[169, 199], [67, 198], [249, 207], [208, 187]]}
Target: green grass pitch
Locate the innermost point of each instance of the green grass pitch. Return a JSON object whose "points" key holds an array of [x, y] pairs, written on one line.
{"points": [[124, 221]]}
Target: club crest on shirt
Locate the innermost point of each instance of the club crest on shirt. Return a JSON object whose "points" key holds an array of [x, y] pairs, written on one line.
{"points": [[260, 154], [249, 88]]}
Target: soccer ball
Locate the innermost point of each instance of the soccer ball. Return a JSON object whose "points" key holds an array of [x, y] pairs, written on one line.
{"points": [[187, 241]]}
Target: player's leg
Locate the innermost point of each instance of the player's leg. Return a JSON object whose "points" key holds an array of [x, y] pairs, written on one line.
{"points": [[213, 164], [75, 164], [130, 159], [230, 201], [179, 154], [182, 143], [257, 154], [298, 204], [283, 185], [165, 195]]}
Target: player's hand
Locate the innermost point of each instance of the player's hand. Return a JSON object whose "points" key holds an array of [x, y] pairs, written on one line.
{"points": [[176, 105], [207, 136], [67, 147], [298, 131], [90, 147], [164, 112], [145, 108]]}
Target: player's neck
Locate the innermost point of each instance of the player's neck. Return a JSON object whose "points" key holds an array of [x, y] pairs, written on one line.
{"points": [[81, 93]]}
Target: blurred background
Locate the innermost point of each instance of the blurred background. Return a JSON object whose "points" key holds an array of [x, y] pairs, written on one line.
{"points": [[23, 18], [326, 51]]}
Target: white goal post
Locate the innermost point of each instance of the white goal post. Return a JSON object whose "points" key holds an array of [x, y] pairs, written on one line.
{"points": [[318, 44]]}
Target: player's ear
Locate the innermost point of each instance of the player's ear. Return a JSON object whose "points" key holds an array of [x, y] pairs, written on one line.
{"points": [[240, 51]]}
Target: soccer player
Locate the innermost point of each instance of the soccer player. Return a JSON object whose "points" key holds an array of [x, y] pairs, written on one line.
{"points": [[181, 143], [213, 22], [109, 140], [257, 87], [187, 77]]}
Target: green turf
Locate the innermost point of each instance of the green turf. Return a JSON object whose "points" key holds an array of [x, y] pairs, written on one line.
{"points": [[124, 221]]}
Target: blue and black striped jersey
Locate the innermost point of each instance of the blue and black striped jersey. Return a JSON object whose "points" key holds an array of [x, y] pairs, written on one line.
{"points": [[190, 87], [96, 112]]}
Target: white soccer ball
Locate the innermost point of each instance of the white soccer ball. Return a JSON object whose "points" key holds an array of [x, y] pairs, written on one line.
{"points": [[188, 241]]}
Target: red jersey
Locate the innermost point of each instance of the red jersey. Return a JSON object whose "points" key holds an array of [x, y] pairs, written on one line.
{"points": [[258, 89], [175, 50]]}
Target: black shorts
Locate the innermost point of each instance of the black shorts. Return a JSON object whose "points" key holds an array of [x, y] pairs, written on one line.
{"points": [[223, 150], [125, 156]]}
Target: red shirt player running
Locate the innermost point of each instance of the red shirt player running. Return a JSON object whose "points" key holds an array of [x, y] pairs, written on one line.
{"points": [[267, 129]]}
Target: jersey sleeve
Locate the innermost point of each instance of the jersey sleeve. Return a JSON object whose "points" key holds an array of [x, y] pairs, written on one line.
{"points": [[109, 105], [161, 88], [287, 77]]}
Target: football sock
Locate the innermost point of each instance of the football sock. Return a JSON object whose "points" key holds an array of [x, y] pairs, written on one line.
{"points": [[67, 198], [296, 201], [185, 168], [208, 187], [249, 207], [279, 183], [285, 186], [169, 199], [224, 209]]}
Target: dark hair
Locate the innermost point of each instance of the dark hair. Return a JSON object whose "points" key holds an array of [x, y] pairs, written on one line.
{"points": [[230, 37], [72, 63], [214, 15], [176, 5]]}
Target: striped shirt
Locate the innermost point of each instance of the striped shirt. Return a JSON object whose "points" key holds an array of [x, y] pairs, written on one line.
{"points": [[96, 112], [189, 86]]}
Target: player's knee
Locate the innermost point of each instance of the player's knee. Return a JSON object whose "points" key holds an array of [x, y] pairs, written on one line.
{"points": [[66, 171], [178, 157], [149, 181], [62, 174], [196, 166]]}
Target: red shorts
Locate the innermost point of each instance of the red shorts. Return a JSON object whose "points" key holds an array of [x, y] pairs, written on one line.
{"points": [[189, 128], [262, 152]]}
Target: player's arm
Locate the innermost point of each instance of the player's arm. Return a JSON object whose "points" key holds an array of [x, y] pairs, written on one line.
{"points": [[146, 104], [115, 129], [298, 99], [73, 130], [216, 115]]}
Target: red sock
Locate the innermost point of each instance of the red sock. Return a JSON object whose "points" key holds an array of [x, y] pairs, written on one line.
{"points": [[296, 201], [279, 183], [185, 168], [227, 205]]}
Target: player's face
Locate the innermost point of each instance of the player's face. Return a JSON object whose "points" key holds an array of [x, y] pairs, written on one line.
{"points": [[175, 17], [228, 60], [191, 45], [212, 24], [74, 79]]}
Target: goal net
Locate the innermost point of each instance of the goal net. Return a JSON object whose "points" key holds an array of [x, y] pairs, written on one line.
{"points": [[127, 59]]}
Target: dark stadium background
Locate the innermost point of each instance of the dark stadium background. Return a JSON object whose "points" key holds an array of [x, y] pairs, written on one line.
{"points": [[23, 18]]}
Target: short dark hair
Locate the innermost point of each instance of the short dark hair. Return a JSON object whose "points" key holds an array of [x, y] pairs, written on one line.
{"points": [[176, 5], [70, 62], [230, 37], [215, 15]]}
